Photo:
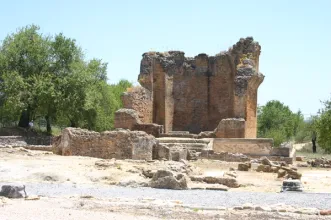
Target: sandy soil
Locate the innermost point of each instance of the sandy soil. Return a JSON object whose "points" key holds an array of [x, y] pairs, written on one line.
{"points": [[314, 179], [21, 166], [24, 166], [86, 208]]}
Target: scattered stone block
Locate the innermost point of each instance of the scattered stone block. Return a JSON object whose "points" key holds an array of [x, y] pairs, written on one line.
{"points": [[264, 168], [227, 181], [299, 158], [293, 174], [149, 173], [325, 212], [164, 179], [243, 167], [266, 161], [281, 173], [13, 192]]}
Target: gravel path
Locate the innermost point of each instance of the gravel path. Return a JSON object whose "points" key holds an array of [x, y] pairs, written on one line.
{"points": [[207, 198]]}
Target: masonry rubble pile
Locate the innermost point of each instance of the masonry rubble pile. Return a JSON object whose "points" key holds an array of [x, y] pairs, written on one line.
{"points": [[265, 165], [320, 162], [316, 162]]}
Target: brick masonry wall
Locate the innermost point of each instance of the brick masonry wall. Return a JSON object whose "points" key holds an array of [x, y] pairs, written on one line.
{"points": [[141, 100], [195, 94]]}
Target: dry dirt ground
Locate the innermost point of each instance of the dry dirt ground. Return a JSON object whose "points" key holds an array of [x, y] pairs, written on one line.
{"points": [[314, 179], [87, 208], [21, 166]]}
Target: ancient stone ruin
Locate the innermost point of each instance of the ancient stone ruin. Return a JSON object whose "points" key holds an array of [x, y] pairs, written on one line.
{"points": [[121, 144], [185, 108], [201, 93]]}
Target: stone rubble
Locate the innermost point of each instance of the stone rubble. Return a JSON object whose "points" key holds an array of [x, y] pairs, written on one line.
{"points": [[222, 180], [268, 166], [164, 179], [320, 162], [13, 192]]}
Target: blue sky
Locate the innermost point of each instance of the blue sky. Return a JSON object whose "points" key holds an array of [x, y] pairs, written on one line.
{"points": [[295, 36]]}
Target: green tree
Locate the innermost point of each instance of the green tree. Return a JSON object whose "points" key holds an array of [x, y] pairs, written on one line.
{"points": [[48, 77], [323, 127], [24, 55], [276, 120]]}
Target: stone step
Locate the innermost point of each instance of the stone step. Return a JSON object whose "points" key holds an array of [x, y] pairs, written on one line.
{"points": [[191, 146], [178, 132], [182, 140], [179, 135], [39, 147]]}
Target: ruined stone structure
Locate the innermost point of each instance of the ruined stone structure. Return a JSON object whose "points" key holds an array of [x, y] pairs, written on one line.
{"points": [[201, 107], [128, 119], [120, 144], [195, 94]]}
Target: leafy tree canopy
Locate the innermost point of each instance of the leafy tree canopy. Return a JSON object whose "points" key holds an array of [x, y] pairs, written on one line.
{"points": [[48, 77]]}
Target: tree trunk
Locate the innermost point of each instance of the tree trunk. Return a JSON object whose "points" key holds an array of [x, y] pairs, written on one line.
{"points": [[25, 118], [73, 123], [48, 124], [314, 145]]}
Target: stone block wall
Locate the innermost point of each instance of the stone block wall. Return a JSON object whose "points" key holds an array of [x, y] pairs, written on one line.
{"points": [[16, 141], [153, 129], [224, 156], [139, 99], [128, 119], [119, 144], [231, 128], [260, 147], [195, 94]]}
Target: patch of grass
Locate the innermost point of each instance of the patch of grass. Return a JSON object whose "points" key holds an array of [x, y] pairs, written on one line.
{"points": [[309, 155], [56, 131], [307, 152]]}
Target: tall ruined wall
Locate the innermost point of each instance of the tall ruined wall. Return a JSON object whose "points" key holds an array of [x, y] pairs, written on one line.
{"points": [[195, 94], [139, 99]]}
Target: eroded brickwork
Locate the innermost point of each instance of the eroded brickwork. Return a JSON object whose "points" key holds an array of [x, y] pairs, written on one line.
{"points": [[139, 99], [195, 94]]}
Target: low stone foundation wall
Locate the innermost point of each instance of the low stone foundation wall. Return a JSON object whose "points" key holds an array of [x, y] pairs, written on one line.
{"points": [[231, 128], [224, 156], [21, 141], [153, 129], [13, 141], [259, 147], [129, 119], [119, 144], [39, 147]]}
